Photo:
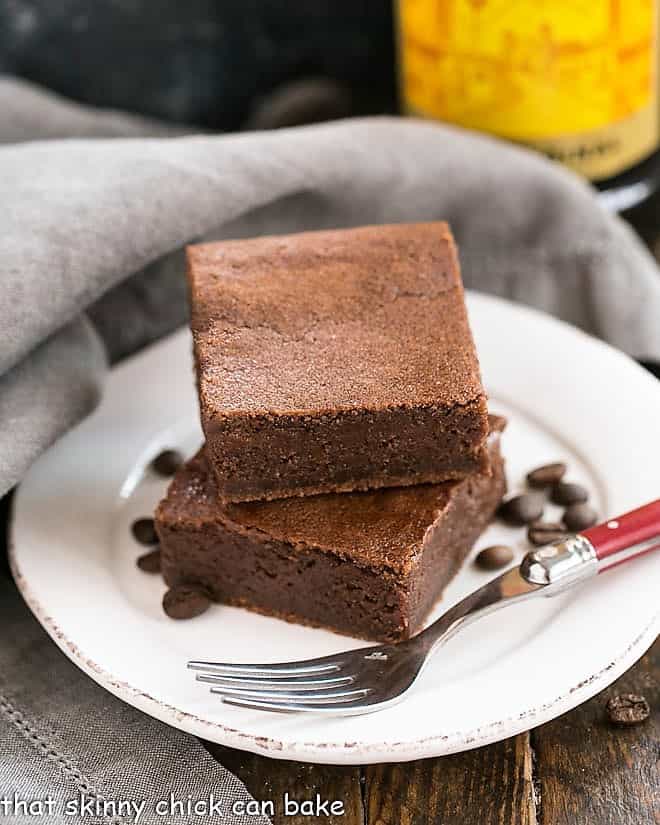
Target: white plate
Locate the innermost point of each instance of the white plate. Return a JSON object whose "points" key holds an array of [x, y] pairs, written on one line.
{"points": [[567, 396]]}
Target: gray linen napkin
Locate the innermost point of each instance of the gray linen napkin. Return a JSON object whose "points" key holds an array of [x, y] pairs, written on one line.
{"points": [[79, 216]]}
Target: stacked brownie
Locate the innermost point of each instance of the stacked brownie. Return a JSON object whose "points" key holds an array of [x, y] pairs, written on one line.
{"points": [[350, 462]]}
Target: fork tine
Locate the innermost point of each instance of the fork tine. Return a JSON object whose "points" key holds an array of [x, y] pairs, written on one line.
{"points": [[308, 667], [255, 683], [294, 697], [351, 707]]}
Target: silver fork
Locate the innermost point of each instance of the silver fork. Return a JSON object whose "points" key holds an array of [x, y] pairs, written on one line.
{"points": [[373, 678]]}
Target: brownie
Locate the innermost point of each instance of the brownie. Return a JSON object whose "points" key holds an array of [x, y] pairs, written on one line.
{"points": [[368, 564], [335, 361]]}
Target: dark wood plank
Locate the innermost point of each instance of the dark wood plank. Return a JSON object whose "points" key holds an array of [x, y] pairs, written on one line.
{"points": [[589, 771], [489, 786], [271, 779]]}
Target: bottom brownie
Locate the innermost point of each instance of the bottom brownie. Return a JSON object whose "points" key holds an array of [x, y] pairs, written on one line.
{"points": [[368, 564]]}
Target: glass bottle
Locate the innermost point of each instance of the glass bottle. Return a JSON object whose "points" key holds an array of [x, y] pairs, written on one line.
{"points": [[575, 79]]}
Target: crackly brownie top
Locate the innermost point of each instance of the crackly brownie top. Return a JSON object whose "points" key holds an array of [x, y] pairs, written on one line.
{"points": [[322, 321], [381, 528]]}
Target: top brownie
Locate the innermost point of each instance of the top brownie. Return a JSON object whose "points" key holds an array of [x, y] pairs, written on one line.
{"points": [[335, 361]]}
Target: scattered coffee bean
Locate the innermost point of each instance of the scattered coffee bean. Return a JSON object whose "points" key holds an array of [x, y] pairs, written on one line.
{"points": [[167, 463], [144, 531], [522, 509], [547, 475], [579, 517], [566, 493], [492, 558], [150, 562], [628, 709], [185, 602], [545, 532]]}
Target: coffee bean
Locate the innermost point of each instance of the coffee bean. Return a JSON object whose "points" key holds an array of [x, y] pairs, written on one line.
{"points": [[579, 517], [566, 493], [144, 531], [494, 557], [167, 463], [150, 562], [185, 602], [522, 509], [545, 532], [547, 475], [628, 709]]}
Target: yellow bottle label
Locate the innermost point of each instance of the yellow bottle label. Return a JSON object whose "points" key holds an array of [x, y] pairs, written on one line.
{"points": [[576, 79]]}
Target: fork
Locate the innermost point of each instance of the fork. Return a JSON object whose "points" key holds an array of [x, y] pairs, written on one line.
{"points": [[372, 678]]}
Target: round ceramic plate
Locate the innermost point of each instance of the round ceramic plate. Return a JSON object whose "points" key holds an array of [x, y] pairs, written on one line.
{"points": [[567, 396]]}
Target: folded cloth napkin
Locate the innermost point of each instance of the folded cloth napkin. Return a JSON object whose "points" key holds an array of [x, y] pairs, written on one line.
{"points": [[83, 208]]}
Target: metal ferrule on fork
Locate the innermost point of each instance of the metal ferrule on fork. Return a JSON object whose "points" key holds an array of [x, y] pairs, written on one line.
{"points": [[561, 564]]}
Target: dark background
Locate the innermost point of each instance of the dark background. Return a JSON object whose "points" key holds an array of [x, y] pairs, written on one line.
{"points": [[197, 61]]}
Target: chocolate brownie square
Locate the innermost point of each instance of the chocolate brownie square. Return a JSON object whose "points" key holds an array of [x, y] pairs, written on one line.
{"points": [[367, 564], [335, 361]]}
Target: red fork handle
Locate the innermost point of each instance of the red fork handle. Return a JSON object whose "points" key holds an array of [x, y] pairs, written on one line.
{"points": [[626, 537]]}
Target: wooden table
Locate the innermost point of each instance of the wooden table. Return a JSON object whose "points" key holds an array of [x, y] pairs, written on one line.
{"points": [[577, 770]]}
